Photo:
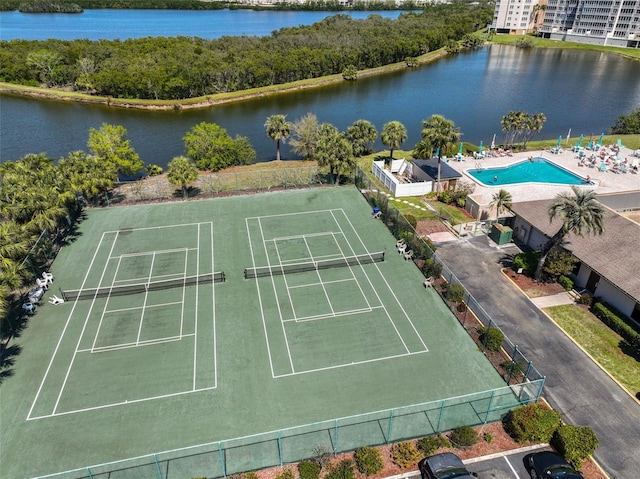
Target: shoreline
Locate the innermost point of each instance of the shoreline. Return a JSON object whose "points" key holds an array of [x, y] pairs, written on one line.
{"points": [[204, 101]]}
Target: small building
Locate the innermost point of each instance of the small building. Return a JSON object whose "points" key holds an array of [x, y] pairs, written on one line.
{"points": [[414, 178], [609, 263]]}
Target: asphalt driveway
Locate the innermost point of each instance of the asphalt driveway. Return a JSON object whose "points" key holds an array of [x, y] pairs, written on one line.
{"points": [[575, 385]]}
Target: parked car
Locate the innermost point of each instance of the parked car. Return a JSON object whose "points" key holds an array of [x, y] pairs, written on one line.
{"points": [[547, 464], [444, 466]]}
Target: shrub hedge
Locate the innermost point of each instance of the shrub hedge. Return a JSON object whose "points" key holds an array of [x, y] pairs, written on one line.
{"points": [[492, 338], [532, 423], [464, 436], [430, 444], [618, 322], [527, 261], [368, 460], [574, 443], [309, 470], [404, 454], [342, 470], [565, 282]]}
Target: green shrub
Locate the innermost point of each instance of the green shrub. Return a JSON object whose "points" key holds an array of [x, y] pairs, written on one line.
{"points": [[153, 170], [464, 436], [250, 475], [322, 454], [565, 282], [430, 444], [455, 293], [585, 298], [488, 437], [405, 454], [368, 460], [575, 443], [342, 470], [492, 338], [618, 322], [432, 268], [532, 423], [286, 474], [447, 196], [411, 220], [309, 469], [527, 261]]}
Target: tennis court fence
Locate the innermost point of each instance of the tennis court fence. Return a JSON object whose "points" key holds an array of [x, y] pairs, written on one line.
{"points": [[226, 457], [119, 290], [288, 268]]}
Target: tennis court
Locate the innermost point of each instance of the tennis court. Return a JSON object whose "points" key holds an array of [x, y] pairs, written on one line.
{"points": [[190, 323]]}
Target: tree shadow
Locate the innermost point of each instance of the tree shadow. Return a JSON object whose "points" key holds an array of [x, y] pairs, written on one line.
{"points": [[629, 350], [8, 360], [191, 192]]}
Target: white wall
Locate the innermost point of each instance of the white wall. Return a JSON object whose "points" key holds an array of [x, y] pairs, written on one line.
{"points": [[607, 291], [397, 188]]}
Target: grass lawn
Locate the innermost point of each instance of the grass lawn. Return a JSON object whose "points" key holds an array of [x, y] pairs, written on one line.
{"points": [[605, 346]]}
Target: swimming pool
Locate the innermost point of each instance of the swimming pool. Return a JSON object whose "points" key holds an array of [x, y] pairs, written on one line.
{"points": [[536, 170]]}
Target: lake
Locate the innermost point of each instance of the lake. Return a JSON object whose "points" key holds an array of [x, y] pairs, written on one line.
{"points": [[578, 90]]}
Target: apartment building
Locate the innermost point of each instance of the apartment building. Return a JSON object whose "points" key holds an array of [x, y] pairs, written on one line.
{"points": [[598, 22]]}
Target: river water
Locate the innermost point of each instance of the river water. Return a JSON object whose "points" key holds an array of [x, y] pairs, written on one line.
{"points": [[580, 91]]}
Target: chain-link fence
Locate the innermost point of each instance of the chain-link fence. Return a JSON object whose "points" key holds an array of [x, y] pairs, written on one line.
{"points": [[285, 446], [219, 184]]}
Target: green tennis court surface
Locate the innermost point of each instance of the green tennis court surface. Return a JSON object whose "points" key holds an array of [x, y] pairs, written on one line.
{"points": [[165, 344]]}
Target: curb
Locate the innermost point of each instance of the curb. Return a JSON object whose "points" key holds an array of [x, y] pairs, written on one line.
{"points": [[496, 455]]}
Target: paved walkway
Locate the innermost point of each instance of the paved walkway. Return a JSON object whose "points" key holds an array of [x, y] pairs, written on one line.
{"points": [[575, 385], [553, 300]]}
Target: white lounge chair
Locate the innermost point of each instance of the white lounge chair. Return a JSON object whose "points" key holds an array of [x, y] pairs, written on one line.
{"points": [[42, 283], [408, 255], [55, 300], [402, 248], [48, 277], [428, 283]]}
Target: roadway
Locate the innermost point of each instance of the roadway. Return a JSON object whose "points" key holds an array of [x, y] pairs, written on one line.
{"points": [[575, 386]]}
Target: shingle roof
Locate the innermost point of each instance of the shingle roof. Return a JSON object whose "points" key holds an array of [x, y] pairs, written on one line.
{"points": [[615, 254], [430, 167]]}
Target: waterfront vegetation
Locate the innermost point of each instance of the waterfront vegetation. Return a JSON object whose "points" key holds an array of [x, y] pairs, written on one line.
{"points": [[605, 346], [179, 67]]}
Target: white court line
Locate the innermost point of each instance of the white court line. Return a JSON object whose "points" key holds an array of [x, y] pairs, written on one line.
{"points": [[145, 228], [388, 285], [184, 283], [325, 282], [264, 323], [195, 325], [284, 278], [354, 363], [333, 315], [106, 303], [146, 296], [393, 324], [139, 280], [326, 295], [310, 235], [84, 326], [64, 330], [351, 268], [145, 253], [315, 212], [140, 307], [213, 314], [146, 342], [273, 284], [121, 403]]}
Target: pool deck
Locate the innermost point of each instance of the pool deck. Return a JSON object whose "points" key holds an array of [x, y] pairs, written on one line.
{"points": [[604, 181]]}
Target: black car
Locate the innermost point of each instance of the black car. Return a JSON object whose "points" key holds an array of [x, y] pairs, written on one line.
{"points": [[550, 465], [444, 466]]}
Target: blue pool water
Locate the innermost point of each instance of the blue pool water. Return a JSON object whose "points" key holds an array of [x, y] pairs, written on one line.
{"points": [[539, 170]]}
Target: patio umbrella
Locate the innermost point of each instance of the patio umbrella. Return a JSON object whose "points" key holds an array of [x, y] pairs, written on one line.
{"points": [[559, 141], [460, 150], [493, 142], [579, 142], [480, 151], [600, 140], [438, 152]]}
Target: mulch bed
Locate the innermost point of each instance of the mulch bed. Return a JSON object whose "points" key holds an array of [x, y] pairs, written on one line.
{"points": [[532, 288]]}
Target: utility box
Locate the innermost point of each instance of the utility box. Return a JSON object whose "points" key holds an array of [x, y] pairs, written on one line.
{"points": [[501, 234]]}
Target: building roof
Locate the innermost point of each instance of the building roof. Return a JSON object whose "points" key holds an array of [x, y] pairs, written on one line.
{"points": [[614, 255], [430, 167]]}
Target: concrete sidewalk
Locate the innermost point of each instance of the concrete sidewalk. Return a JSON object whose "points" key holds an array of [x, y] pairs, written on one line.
{"points": [[553, 300]]}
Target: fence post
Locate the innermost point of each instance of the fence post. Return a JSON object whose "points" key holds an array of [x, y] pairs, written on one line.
{"points": [[529, 366], [222, 463], [388, 438], [335, 438], [155, 459], [544, 378], [280, 446], [440, 415], [89, 472], [486, 418]]}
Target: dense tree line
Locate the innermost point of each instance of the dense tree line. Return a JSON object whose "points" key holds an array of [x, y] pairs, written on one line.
{"points": [[182, 67]]}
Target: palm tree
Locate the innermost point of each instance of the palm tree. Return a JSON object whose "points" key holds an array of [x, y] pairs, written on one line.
{"points": [[182, 171], [362, 134], [394, 134], [278, 129], [580, 213], [502, 201], [305, 135], [440, 133]]}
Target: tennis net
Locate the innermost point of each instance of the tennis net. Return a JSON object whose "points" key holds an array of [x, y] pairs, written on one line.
{"points": [[89, 293], [282, 269]]}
